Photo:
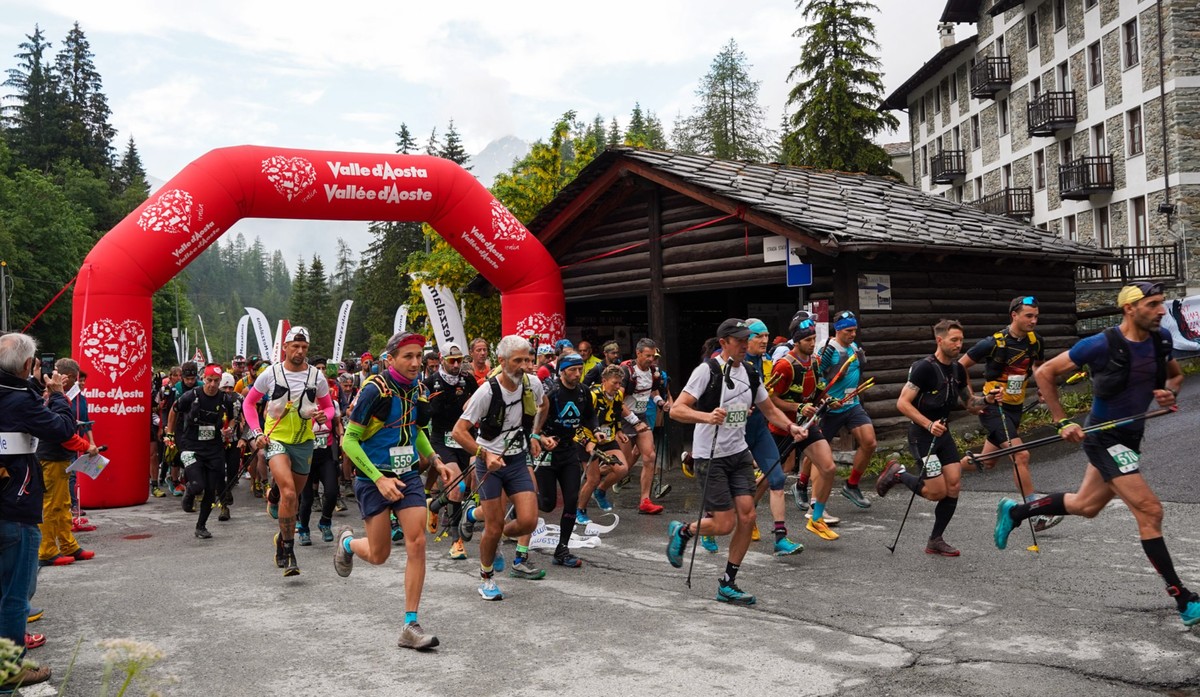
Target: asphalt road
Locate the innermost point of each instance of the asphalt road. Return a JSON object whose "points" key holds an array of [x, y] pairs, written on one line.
{"points": [[1086, 615]]}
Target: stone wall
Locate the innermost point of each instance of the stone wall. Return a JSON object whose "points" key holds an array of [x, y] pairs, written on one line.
{"points": [[1114, 133], [989, 131], [1148, 36], [1045, 15], [964, 90], [1022, 172], [1018, 50], [1075, 22], [1053, 201], [1110, 50], [1181, 21], [1019, 117], [1109, 9], [1080, 84], [1184, 112]]}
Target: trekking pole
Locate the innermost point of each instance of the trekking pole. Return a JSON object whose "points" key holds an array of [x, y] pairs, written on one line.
{"points": [[662, 455], [1017, 473], [1115, 423], [704, 488], [912, 498]]}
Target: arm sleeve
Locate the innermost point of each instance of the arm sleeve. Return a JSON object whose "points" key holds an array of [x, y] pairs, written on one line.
{"points": [[248, 410], [353, 449], [326, 404], [424, 448]]}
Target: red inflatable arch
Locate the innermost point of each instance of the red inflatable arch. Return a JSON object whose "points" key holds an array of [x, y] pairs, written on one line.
{"points": [[112, 302]]}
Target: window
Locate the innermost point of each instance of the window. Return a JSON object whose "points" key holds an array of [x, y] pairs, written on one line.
{"points": [[1129, 43], [1089, 4], [1006, 177], [1138, 236], [1066, 151], [1039, 170], [1002, 116], [1035, 88], [1060, 14], [924, 160], [978, 188], [956, 138], [1095, 65], [1098, 142], [937, 99], [922, 110], [956, 194], [1103, 233], [975, 132], [1000, 50], [954, 87], [1031, 29], [1070, 228], [1133, 130], [1064, 76]]}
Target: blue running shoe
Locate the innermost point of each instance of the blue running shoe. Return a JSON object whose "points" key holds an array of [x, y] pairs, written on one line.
{"points": [[581, 517], [602, 500], [675, 544], [488, 590], [1004, 522], [784, 547], [734, 595], [305, 538], [326, 532], [498, 562], [709, 543], [1191, 614]]}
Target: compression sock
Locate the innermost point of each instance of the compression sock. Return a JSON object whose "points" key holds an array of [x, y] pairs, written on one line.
{"points": [[522, 554], [803, 479], [780, 530], [942, 515], [346, 545], [410, 618], [854, 478], [1160, 558], [485, 572], [912, 481], [1051, 504], [818, 510], [731, 570]]}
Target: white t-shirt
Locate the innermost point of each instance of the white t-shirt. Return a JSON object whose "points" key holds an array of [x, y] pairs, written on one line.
{"points": [[290, 425], [477, 407], [731, 435], [637, 398], [780, 350]]}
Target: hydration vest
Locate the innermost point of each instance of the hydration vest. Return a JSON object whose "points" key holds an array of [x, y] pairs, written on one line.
{"points": [[1113, 378], [710, 399], [491, 426]]}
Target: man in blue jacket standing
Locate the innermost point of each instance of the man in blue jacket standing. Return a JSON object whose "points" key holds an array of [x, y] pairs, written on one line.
{"points": [[25, 418]]}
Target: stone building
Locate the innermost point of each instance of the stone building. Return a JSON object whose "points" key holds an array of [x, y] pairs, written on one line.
{"points": [[1080, 116]]}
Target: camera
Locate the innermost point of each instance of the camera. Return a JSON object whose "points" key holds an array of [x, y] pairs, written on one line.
{"points": [[47, 365]]}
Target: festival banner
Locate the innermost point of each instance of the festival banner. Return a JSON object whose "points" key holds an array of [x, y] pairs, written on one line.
{"points": [[239, 343], [401, 319], [204, 335], [1183, 322], [339, 336], [262, 331], [444, 319]]}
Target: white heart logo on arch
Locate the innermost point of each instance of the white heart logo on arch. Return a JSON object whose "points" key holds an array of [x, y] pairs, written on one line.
{"points": [[171, 213], [291, 176], [548, 327], [505, 225], [113, 348]]}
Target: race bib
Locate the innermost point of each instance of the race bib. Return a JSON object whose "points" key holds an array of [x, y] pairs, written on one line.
{"points": [[187, 457], [449, 442], [1015, 385], [322, 440], [401, 457], [604, 433], [640, 405], [206, 432], [515, 447], [736, 418], [933, 466], [1126, 459], [274, 448]]}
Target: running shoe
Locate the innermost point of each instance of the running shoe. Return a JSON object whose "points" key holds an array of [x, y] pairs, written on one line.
{"points": [[581, 517], [35, 614], [601, 499], [32, 641], [305, 538], [397, 531], [157, 491], [58, 560], [498, 562], [326, 531], [567, 559], [755, 535], [178, 490], [257, 489], [889, 478], [339, 505], [855, 496], [203, 534], [820, 529], [431, 521], [830, 519], [413, 637], [648, 507], [280, 554], [689, 466], [709, 543], [524, 569], [343, 561], [466, 526], [223, 512], [800, 495], [937, 545], [675, 544], [458, 550], [730, 593], [1045, 522], [488, 590], [82, 554], [1004, 522], [292, 568], [1191, 614], [189, 502], [784, 547]]}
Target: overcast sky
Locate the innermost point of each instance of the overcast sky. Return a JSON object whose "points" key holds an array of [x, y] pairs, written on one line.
{"points": [[184, 78]]}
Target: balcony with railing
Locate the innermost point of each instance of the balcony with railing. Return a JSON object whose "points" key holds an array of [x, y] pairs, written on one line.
{"points": [[1086, 176], [948, 166], [990, 75], [1013, 202], [1151, 262], [1050, 112]]}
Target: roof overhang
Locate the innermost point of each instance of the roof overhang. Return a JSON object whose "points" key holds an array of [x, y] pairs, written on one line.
{"points": [[899, 98]]}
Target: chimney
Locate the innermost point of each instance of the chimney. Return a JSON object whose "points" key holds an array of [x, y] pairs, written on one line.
{"points": [[946, 34]]}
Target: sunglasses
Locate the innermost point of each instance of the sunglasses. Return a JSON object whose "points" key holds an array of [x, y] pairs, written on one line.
{"points": [[805, 324], [1028, 301], [845, 314]]}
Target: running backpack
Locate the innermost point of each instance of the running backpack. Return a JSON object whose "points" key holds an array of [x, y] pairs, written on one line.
{"points": [[1113, 378], [710, 399], [994, 367], [628, 382], [491, 426]]}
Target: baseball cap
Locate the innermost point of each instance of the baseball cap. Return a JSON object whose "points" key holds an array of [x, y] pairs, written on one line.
{"points": [[563, 344], [296, 333], [545, 350], [733, 328], [1136, 291], [797, 318], [227, 380], [453, 351]]}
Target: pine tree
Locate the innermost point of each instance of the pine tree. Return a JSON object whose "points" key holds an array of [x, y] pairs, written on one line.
{"points": [[452, 147], [597, 136], [728, 121], [85, 109], [299, 304], [837, 90], [431, 147], [405, 143], [615, 137], [645, 130], [33, 123], [321, 311]]}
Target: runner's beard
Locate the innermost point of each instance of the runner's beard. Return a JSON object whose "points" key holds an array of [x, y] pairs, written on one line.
{"points": [[515, 377]]}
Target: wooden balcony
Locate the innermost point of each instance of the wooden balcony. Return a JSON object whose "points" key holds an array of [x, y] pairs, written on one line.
{"points": [[1154, 262], [1051, 112], [948, 166], [1013, 202], [1085, 177], [989, 76]]}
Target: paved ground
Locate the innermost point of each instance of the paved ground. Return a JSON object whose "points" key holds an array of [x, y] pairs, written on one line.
{"points": [[1086, 616]]}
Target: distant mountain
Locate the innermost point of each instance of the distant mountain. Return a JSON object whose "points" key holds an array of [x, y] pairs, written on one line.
{"points": [[497, 157]]}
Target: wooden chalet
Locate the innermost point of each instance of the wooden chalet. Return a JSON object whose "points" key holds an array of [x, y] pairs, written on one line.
{"points": [[667, 245]]}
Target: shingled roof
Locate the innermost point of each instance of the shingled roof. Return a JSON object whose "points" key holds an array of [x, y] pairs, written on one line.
{"points": [[840, 211]]}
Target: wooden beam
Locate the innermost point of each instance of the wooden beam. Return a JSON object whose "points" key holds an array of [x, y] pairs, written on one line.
{"points": [[586, 222], [657, 310], [581, 202]]}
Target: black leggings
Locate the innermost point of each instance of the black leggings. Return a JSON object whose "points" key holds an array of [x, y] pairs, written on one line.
{"points": [[324, 472], [233, 462], [563, 472], [210, 474]]}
